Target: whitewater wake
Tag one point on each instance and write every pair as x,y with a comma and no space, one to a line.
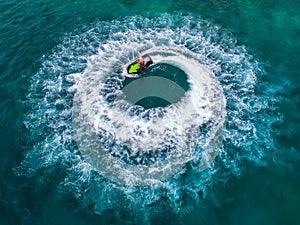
104,129
115,151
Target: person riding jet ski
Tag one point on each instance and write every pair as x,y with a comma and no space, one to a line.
139,65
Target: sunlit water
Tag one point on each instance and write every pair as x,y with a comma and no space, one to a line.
120,156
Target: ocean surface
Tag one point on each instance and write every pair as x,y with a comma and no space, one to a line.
207,135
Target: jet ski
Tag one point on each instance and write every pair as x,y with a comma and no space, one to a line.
138,66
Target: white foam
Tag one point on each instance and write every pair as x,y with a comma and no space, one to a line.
85,61
181,121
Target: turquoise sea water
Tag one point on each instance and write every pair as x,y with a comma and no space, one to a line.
48,47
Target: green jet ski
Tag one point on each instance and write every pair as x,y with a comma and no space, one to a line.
138,66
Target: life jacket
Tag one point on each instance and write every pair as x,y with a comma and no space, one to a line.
134,68
141,61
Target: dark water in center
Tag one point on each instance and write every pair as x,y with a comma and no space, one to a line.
47,40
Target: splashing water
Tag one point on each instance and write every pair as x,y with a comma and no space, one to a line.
175,129
114,151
